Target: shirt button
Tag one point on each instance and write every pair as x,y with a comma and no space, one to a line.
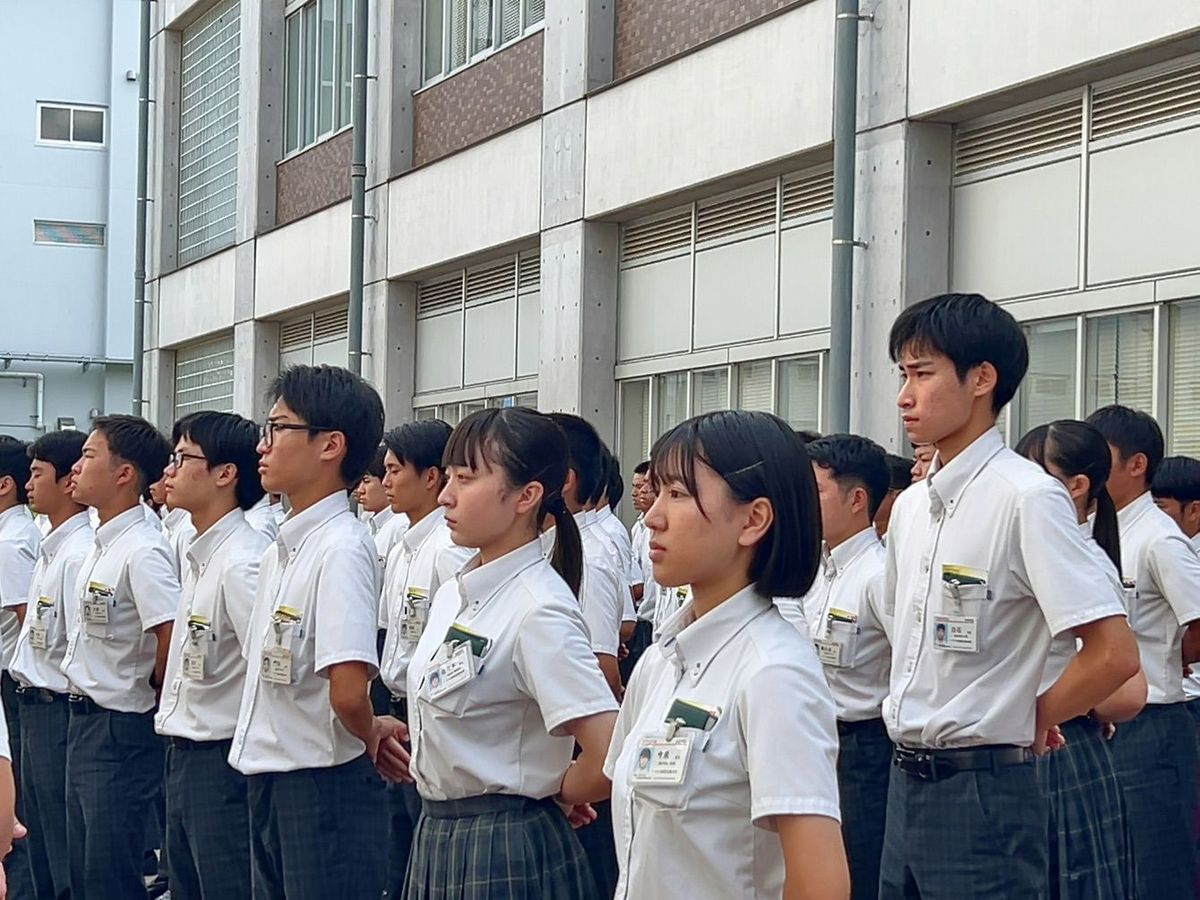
920,616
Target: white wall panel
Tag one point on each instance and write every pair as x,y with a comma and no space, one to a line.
529,308
1142,213
804,278
332,353
654,311
490,348
302,262
196,300
439,352
1018,234
735,292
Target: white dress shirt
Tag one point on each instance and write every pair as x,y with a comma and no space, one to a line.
129,575
844,613
1163,568
424,559
206,668
19,542
617,560
603,591
501,732
261,517
178,530
985,563
640,546
322,566
622,541
50,597
387,528
771,752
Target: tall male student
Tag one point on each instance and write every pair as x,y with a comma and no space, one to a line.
985,563
1155,754
119,619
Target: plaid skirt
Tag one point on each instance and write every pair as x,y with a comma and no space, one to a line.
496,846
1090,857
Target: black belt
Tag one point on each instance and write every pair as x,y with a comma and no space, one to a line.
84,706
845,728
37,696
935,765
181,743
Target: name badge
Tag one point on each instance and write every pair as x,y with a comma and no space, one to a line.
830,653
95,611
39,634
957,633
193,664
453,672
277,665
661,761
415,614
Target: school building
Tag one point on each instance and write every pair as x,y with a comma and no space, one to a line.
621,208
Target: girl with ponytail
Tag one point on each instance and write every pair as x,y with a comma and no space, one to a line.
1089,853
503,682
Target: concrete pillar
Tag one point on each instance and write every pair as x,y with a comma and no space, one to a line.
255,365
389,342
160,388
396,62
260,116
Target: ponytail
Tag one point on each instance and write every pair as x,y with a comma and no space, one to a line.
567,558
1105,529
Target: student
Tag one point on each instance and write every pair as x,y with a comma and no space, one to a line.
11,828
899,478
1156,753
425,558
985,564
614,536
1089,852
731,689
1176,491
261,515
306,735
118,634
844,612
922,458
385,525
517,684
642,497
213,477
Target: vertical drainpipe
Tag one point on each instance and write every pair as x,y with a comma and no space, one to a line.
139,252
358,188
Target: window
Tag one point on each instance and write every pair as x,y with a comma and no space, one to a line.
710,391
1119,361
671,400
72,234
78,126
453,413
635,421
1048,392
1183,432
800,393
208,132
460,31
204,377
754,386
319,83
315,338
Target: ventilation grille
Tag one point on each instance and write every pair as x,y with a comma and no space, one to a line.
77,234
510,20
535,12
491,282
331,325
739,214
1052,128
660,236
530,278
808,195
441,295
296,334
1159,98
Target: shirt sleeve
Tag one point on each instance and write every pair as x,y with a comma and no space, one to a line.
599,595
566,684
154,584
346,619
1175,569
239,583
17,559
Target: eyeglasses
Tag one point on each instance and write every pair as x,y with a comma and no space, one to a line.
177,457
267,430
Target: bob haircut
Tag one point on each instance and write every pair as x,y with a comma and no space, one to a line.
757,455
1177,478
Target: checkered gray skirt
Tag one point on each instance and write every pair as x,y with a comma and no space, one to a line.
493,847
1089,847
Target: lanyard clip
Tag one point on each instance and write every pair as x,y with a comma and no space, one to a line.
673,728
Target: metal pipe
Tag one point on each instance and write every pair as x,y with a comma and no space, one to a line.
6,358
358,188
139,263
40,387
845,92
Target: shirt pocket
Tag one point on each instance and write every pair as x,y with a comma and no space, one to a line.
839,648
962,597
672,795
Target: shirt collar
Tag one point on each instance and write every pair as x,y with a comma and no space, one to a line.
200,551
837,560
14,514
297,527
603,513
1134,511
1195,542
479,582
585,519
419,532
381,518
57,537
689,641
118,525
946,483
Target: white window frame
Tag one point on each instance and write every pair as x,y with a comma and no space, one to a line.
72,143
525,30
436,411
297,9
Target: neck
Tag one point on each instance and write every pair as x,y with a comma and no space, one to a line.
417,513
109,511
518,536
205,517
976,427
308,495
836,540
64,514
1122,498
709,595
7,502
1082,509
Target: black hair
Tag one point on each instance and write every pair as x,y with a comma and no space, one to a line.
642,468
526,446
899,472
61,449
616,485
375,466
137,442
226,439
14,464
1076,448
1177,478
586,456
808,435
421,444
757,455
854,462
970,330
334,399
607,464
1131,431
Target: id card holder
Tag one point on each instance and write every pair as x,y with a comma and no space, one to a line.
830,652
416,614
277,660
95,607
451,673
662,760
39,627
959,634
195,651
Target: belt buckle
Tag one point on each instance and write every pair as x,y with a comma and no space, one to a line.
920,764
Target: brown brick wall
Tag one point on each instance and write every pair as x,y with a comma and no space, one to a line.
502,91
651,31
314,179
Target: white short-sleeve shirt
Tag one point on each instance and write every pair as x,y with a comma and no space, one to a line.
1165,572
622,541
423,560
844,614
19,542
129,572
603,592
772,751
985,563
501,732
591,529
261,517
201,694
178,530
324,568
640,539
50,597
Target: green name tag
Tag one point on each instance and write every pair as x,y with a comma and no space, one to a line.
687,714
457,634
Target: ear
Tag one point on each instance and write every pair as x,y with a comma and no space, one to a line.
571,485
859,499
760,515
1137,465
334,448
125,474
432,478
1079,486
8,485
226,474
530,498
984,379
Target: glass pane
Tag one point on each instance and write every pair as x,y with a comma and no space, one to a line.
754,386
89,126
328,67
635,421
308,127
473,406
1183,423
800,393
449,413
710,391
529,401
346,65
1120,361
458,33
510,20
428,412
671,401
535,11
481,25
56,124
1048,392
434,15
292,86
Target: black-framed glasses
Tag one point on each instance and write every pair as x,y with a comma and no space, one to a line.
267,430
176,460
